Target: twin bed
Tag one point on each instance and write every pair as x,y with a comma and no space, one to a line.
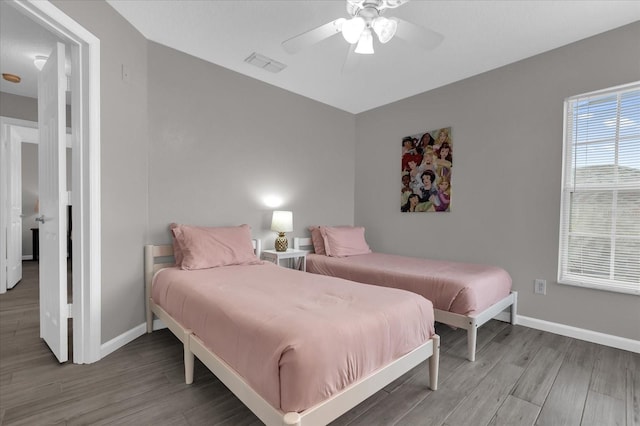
295,348
464,295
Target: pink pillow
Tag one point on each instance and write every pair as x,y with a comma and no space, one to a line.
344,241
316,239
177,250
204,247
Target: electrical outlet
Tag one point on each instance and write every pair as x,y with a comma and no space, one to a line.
540,286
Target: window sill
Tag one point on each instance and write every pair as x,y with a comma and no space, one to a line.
603,287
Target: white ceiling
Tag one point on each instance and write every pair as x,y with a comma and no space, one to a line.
21,40
478,36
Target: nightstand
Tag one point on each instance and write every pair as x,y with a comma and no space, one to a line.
297,259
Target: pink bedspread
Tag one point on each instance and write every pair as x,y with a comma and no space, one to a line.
461,288
296,338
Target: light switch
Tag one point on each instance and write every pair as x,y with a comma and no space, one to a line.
126,76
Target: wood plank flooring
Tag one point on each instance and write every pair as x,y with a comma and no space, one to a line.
521,377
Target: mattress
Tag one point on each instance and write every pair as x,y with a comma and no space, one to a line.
296,338
461,288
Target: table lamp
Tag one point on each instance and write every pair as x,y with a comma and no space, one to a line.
281,222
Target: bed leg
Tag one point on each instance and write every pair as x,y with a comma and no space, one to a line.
149,317
291,419
514,308
434,363
188,364
148,277
472,335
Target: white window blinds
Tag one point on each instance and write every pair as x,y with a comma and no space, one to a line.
600,213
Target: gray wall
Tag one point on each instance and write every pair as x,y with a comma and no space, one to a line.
220,142
507,153
124,171
20,107
23,107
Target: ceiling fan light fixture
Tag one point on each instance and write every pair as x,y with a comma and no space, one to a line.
352,29
365,45
39,61
384,28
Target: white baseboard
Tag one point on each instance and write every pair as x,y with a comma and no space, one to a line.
27,257
580,334
121,340
127,337
552,327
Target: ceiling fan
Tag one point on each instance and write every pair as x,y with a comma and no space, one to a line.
366,18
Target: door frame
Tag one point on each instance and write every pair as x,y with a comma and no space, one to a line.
85,173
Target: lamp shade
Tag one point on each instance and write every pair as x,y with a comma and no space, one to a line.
365,45
384,28
352,28
282,221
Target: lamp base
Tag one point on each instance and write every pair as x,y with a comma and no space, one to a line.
282,243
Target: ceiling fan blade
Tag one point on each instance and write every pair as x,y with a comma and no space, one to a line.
351,60
311,37
412,33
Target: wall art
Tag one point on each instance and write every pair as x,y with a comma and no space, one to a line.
427,164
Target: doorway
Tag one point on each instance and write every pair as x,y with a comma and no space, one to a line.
85,173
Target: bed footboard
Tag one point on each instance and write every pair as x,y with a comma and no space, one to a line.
331,408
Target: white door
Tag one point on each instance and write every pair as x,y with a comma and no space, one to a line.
14,232
52,182
4,203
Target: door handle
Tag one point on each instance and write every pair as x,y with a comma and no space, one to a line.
40,219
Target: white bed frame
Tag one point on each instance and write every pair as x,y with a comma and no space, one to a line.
466,322
320,414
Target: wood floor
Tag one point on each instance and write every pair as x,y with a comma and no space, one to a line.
521,377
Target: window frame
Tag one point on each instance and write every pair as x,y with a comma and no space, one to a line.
564,275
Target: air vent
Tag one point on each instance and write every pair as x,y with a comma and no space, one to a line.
263,62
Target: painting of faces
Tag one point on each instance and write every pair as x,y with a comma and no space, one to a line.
426,171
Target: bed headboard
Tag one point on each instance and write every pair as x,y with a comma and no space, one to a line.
303,243
153,253
161,256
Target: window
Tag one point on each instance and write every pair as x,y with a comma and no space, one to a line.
600,213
